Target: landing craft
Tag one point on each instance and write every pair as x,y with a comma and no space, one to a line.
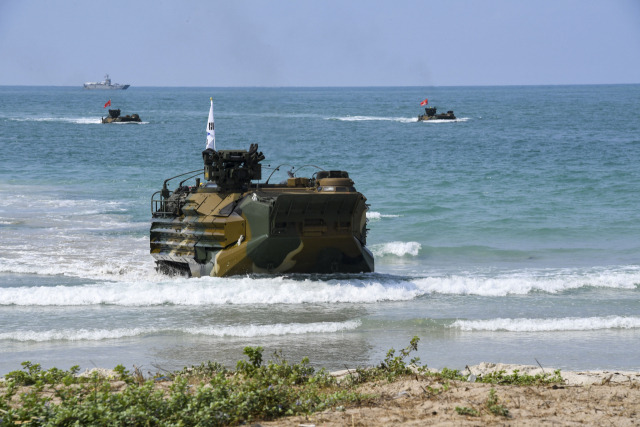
115,117
232,224
430,113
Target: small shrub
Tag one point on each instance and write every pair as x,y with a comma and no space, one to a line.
391,367
32,373
516,378
494,407
466,411
211,394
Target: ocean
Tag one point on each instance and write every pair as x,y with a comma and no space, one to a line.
511,234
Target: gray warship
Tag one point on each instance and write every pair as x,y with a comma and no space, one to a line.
105,84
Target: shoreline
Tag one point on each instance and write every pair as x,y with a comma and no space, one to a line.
572,378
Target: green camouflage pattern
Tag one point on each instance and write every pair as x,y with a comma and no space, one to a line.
232,226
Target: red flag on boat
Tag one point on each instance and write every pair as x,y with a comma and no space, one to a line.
107,104
425,102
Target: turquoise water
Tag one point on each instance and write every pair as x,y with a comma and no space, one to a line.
509,235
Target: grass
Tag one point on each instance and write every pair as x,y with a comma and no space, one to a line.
211,394
491,405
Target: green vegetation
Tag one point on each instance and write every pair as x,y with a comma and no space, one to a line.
467,411
516,379
33,374
211,394
494,407
390,368
491,405
502,378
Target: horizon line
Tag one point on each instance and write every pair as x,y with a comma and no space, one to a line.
327,86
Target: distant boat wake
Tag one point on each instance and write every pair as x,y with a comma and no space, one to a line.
392,119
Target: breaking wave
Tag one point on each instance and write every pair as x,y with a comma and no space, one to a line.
398,249
522,283
211,291
244,331
128,289
549,325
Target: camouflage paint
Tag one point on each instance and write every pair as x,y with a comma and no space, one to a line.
303,226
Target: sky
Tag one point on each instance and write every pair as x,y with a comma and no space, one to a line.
276,43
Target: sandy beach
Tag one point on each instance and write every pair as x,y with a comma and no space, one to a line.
586,398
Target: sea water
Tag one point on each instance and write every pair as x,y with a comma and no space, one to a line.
511,234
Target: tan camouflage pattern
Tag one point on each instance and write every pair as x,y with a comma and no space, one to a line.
301,226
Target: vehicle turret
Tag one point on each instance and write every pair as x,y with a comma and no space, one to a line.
232,170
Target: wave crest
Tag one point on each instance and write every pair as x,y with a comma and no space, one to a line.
549,325
243,331
399,249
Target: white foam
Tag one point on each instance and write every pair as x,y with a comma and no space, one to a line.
209,291
395,119
548,325
137,284
375,118
76,120
75,255
252,330
521,283
75,334
459,119
61,236
376,216
398,249
245,331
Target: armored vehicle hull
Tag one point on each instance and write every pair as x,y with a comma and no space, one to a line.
430,113
231,225
115,117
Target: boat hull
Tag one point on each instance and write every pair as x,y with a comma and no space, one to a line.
447,116
134,118
101,86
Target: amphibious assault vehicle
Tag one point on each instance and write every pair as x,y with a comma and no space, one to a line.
231,224
115,117
430,113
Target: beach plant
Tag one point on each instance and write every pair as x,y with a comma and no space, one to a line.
501,377
448,374
466,411
32,373
211,394
494,407
515,378
206,395
392,367
491,405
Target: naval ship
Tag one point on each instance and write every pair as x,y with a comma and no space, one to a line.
105,84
